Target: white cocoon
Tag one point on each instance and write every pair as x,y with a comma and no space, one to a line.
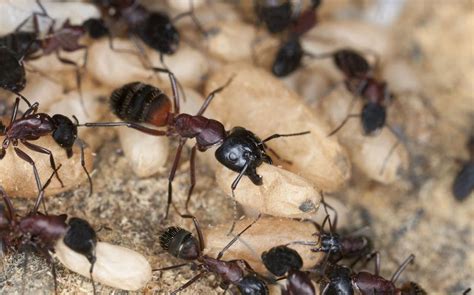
116,266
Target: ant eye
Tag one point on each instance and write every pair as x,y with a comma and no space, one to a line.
233,157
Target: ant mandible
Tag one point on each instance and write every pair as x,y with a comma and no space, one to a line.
239,149
182,244
31,126
43,231
281,260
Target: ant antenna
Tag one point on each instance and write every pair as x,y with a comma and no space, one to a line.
402,267
276,135
83,162
219,256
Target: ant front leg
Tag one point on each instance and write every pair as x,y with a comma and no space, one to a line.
83,164
132,125
234,201
350,116
172,174
8,203
45,151
24,156
401,268
174,86
221,253
190,282
192,172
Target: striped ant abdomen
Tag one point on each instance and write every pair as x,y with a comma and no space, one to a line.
141,103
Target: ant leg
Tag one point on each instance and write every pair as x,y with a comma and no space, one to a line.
174,86
343,123
171,267
78,76
192,170
8,203
190,282
211,96
15,110
32,110
392,149
45,151
136,126
276,135
83,164
198,229
369,257
401,268
234,201
40,198
191,14
24,156
172,174
332,225
221,253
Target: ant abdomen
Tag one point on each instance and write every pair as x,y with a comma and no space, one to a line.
252,285
141,103
180,243
351,63
373,117
279,260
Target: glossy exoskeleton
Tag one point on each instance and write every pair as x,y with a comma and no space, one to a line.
463,184
182,244
33,125
155,29
341,280
12,72
238,149
281,260
43,232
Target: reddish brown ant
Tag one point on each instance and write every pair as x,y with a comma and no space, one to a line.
31,126
463,184
281,260
43,231
238,149
340,280
182,244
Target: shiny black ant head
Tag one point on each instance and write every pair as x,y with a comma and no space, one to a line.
65,133
280,259
277,17
373,117
340,281
412,288
81,238
330,243
288,58
96,28
159,33
12,72
180,243
252,285
351,63
241,148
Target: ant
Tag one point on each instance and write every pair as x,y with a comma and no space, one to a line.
12,73
153,28
343,281
182,244
33,125
43,231
291,52
239,149
281,260
463,184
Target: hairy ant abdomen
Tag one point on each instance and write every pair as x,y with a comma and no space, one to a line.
180,243
141,103
351,63
279,260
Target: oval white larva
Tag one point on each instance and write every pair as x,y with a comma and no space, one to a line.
116,266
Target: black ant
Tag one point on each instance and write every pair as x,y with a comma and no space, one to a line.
239,149
12,73
340,280
182,244
291,52
43,231
463,184
281,260
31,126
155,29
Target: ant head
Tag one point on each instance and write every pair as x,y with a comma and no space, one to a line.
373,117
351,63
288,58
280,259
240,150
252,285
159,33
412,288
65,133
330,243
180,243
277,17
340,281
95,27
81,238
12,74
